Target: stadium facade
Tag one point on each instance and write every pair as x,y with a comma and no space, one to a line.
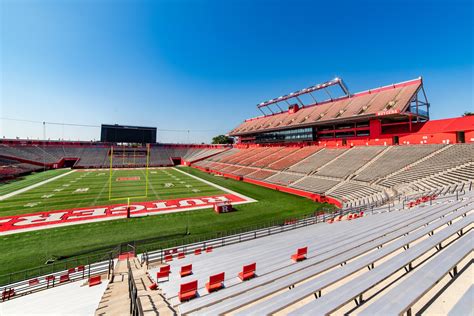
389,115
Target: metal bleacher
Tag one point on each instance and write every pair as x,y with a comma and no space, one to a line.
357,244
355,176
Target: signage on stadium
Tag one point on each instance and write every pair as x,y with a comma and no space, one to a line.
51,219
388,112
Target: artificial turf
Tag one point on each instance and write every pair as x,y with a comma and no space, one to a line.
32,249
22,182
92,188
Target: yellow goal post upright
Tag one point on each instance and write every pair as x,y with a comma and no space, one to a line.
128,168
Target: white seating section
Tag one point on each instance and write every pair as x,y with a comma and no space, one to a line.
355,176
386,242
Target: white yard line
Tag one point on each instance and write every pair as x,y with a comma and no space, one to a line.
9,195
217,186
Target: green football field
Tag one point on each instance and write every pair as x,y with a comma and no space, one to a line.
73,243
93,188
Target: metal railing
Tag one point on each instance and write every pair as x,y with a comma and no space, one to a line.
45,281
279,227
135,303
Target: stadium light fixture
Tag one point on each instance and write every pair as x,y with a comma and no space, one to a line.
322,86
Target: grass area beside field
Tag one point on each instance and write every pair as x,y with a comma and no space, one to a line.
32,249
25,181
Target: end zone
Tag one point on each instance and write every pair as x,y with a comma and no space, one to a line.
45,220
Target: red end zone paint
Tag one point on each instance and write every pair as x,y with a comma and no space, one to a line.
127,179
28,221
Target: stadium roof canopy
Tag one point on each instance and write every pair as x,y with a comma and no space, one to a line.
397,101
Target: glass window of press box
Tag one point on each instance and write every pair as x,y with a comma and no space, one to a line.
294,135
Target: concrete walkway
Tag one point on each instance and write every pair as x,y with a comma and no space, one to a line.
115,300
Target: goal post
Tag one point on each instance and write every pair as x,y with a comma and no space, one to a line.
128,172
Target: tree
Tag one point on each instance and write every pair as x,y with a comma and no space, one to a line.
468,113
222,139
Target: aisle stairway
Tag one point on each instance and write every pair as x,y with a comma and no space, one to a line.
116,301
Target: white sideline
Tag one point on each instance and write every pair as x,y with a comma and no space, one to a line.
219,187
8,195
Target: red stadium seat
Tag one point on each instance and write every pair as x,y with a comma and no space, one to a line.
50,278
80,268
181,255
197,251
71,270
216,282
8,294
248,271
33,282
95,280
188,291
64,278
168,258
186,270
300,254
209,249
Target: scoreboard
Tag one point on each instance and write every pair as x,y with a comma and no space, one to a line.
127,134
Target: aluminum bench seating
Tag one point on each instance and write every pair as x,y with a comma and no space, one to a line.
464,305
317,160
368,240
396,158
285,299
295,157
400,298
315,184
353,289
276,258
284,178
261,174
350,162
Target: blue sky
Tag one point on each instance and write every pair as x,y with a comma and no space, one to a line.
204,65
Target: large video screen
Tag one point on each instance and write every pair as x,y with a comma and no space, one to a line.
127,134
